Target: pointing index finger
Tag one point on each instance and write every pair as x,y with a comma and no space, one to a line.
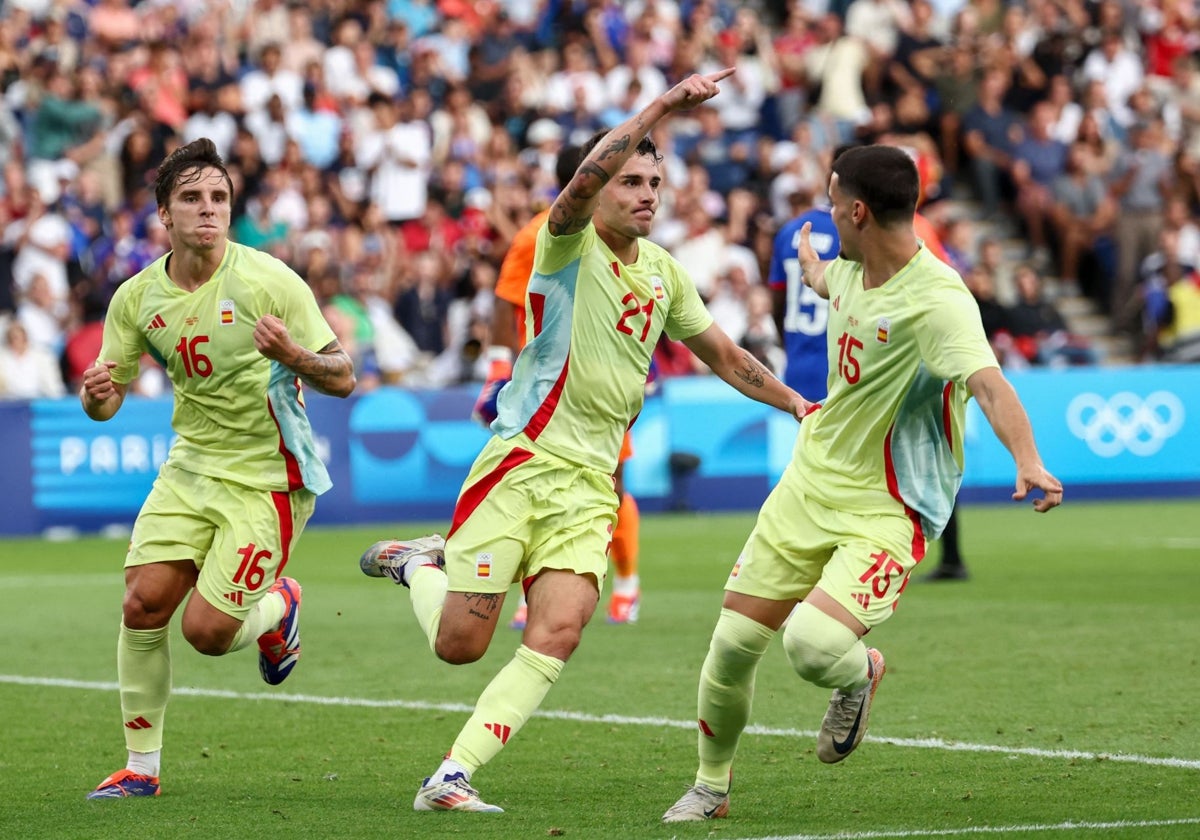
720,74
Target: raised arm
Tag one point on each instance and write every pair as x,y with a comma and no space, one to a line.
812,268
573,208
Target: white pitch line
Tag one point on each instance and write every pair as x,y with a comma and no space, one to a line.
34,581
1070,825
621,720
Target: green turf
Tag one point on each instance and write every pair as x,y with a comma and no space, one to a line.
1006,700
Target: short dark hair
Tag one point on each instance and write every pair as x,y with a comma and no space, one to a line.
645,147
882,177
188,161
569,158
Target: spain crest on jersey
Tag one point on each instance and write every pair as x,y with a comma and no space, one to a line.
657,283
882,329
227,312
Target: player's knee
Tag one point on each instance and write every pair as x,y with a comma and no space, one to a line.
816,642
142,611
207,644
738,643
210,641
558,641
458,649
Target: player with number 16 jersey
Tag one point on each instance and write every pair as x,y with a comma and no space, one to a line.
238,415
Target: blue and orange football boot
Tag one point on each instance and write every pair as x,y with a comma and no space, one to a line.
279,649
126,783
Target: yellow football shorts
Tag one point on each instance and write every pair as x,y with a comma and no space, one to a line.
240,538
522,511
862,561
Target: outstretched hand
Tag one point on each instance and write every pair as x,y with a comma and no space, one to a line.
1037,477
694,90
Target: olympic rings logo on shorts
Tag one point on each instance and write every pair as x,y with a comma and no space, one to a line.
1125,422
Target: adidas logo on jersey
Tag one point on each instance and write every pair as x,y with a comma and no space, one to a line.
234,597
157,323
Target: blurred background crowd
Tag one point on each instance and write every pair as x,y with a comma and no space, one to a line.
389,150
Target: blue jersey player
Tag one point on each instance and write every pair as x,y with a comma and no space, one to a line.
801,313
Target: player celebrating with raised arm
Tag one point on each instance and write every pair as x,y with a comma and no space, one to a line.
508,337
873,474
237,332
538,505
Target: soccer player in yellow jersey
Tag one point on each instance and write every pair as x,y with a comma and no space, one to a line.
873,474
538,505
508,337
237,331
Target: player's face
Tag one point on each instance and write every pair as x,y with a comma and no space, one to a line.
198,211
842,208
628,203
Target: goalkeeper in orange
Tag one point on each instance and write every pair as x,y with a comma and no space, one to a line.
508,337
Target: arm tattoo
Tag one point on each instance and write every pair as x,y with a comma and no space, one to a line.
617,146
482,605
567,224
589,169
753,373
326,371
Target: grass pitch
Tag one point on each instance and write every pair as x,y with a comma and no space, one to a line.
1051,695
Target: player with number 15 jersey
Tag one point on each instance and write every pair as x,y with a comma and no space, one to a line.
805,314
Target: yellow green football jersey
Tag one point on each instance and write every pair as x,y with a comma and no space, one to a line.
592,324
238,415
889,435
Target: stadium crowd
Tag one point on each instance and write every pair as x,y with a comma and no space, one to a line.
389,150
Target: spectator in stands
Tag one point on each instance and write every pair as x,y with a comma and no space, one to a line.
61,121
878,24
1167,279
1178,332
1119,69
421,309
990,131
396,150
1038,161
256,228
957,88
84,339
1039,330
27,371
636,66
43,245
958,244
724,154
1082,214
269,127
1141,184
835,68
300,47
739,104
702,251
42,316
316,129
269,79
995,315
761,336
208,119
380,341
